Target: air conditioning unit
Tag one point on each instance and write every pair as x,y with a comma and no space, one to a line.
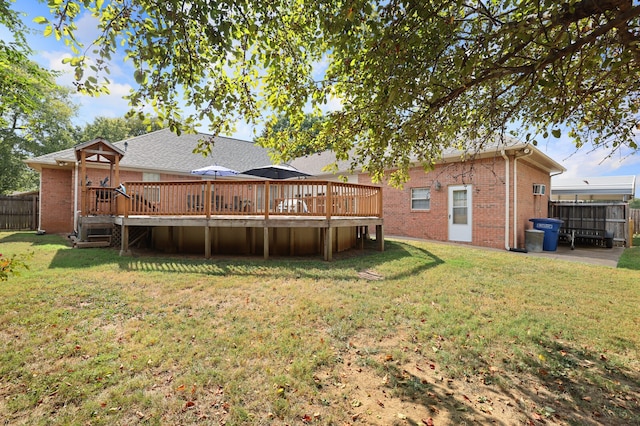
539,189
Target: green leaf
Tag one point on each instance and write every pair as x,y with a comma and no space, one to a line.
556,133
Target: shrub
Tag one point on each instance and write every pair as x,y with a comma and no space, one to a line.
12,265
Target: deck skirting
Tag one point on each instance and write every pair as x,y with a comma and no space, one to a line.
292,235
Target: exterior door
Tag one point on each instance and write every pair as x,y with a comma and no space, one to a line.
460,223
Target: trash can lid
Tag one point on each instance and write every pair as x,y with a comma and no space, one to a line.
534,231
546,220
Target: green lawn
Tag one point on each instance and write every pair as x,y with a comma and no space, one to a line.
421,333
630,258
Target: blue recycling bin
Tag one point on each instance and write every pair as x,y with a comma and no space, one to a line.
551,228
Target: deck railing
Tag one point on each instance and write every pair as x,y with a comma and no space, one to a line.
230,197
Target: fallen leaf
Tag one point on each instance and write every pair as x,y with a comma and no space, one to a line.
189,404
388,357
586,398
427,422
180,388
380,403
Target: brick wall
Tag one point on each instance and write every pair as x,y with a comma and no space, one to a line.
56,200
486,179
529,205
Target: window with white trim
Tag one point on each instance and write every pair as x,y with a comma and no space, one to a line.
420,198
151,193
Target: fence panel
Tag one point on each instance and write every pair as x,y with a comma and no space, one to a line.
19,213
634,214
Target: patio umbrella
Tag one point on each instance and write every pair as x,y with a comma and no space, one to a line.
214,171
281,171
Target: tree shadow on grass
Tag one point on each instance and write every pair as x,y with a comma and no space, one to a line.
560,383
31,238
354,264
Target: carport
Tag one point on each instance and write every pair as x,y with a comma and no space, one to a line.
595,210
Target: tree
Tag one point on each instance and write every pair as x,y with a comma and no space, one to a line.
294,142
117,129
413,77
44,127
34,111
21,79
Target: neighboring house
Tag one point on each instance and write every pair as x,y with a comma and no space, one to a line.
485,199
156,156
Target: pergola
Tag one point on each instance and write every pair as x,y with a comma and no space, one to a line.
97,151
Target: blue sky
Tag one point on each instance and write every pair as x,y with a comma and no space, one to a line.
583,163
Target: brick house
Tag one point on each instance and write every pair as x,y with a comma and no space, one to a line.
485,199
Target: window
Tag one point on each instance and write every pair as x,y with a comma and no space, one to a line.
459,208
151,193
420,198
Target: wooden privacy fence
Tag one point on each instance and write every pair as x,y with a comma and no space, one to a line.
19,212
634,214
612,218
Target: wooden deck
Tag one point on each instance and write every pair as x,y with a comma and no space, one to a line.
329,215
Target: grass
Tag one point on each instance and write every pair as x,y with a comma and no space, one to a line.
423,330
630,258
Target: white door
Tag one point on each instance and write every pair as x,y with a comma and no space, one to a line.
460,223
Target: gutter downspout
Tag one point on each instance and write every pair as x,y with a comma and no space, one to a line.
506,198
39,231
527,152
75,200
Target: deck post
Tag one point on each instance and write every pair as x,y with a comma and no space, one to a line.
266,243
328,244
380,237
124,240
247,241
172,243
207,242
291,241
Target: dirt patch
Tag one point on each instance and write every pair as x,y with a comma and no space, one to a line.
374,387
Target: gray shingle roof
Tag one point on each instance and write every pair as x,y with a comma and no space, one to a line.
164,151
